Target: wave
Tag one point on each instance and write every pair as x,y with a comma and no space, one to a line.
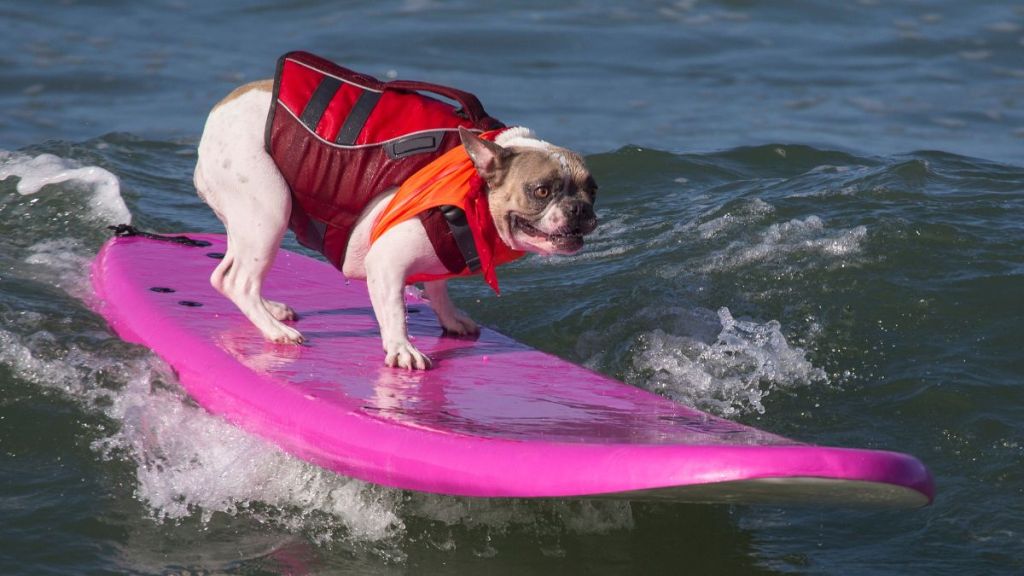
780,243
36,172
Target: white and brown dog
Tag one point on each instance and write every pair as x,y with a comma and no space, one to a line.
540,198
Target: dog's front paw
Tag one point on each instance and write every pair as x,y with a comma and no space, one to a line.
405,355
459,325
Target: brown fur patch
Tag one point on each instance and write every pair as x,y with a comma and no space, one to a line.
266,85
530,165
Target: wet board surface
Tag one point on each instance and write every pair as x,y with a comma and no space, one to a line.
493,418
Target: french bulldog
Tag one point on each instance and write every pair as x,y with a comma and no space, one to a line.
540,196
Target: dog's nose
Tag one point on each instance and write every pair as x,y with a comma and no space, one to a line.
583,215
581,210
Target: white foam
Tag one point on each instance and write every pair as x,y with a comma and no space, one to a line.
780,241
747,214
189,462
43,170
728,376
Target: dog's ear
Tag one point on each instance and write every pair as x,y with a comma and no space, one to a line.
489,158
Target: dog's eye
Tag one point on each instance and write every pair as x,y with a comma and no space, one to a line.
541,192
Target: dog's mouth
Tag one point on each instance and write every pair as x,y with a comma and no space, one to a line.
564,240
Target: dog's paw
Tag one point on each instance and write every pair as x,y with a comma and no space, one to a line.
460,325
282,334
405,355
280,312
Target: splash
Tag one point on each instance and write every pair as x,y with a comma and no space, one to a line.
729,376
35,173
190,462
187,461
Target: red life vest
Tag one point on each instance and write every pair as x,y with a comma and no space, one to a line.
341,139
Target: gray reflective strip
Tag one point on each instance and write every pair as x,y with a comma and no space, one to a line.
357,118
414,144
318,102
460,230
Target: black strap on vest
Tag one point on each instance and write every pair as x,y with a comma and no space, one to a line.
460,230
318,102
357,118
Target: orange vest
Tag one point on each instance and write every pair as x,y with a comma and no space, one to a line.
451,180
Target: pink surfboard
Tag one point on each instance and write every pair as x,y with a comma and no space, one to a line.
493,418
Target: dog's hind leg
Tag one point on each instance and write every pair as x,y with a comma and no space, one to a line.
280,310
240,278
240,181
255,224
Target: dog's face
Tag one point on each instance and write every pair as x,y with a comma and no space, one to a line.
541,198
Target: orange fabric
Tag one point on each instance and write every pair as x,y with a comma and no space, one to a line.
452,179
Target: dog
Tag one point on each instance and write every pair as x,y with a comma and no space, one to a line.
540,199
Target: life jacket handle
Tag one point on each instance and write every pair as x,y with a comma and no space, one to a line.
471,106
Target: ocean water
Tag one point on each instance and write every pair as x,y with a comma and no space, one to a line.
811,222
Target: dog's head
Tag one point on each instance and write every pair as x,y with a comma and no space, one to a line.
541,196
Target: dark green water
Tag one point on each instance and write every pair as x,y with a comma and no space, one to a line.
811,221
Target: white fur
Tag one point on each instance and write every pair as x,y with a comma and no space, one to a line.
241,183
522,137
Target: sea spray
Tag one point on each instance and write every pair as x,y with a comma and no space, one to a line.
729,375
